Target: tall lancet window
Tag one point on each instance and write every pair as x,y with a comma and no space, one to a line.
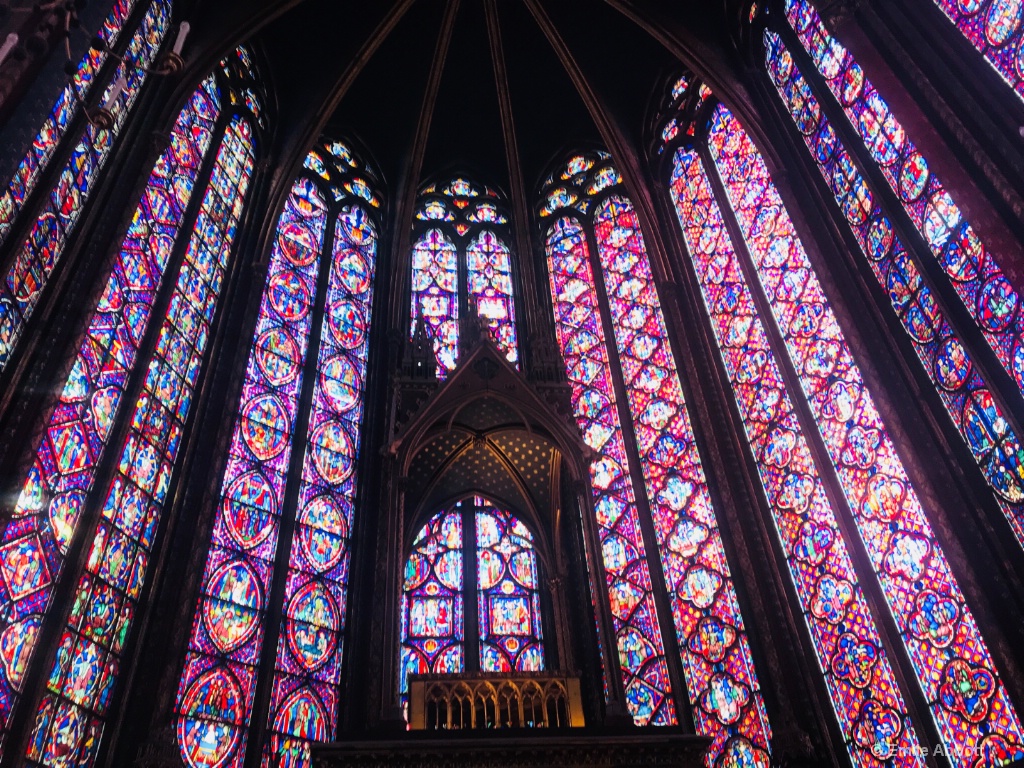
720,186
902,246
996,28
51,186
460,259
177,249
474,555
287,494
658,523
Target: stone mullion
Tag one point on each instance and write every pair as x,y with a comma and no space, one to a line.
903,670
470,598
462,283
659,588
734,485
56,617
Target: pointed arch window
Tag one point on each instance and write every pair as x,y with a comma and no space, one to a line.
47,520
474,554
742,244
40,245
900,259
461,258
310,345
601,286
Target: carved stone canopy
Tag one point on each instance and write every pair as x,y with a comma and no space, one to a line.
488,431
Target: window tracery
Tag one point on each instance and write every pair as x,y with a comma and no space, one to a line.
472,552
936,626
716,658
461,234
326,214
50,507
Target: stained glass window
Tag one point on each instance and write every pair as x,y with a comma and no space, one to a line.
462,221
627,573
306,688
70,717
962,689
489,271
45,521
719,674
970,266
967,699
975,411
508,600
433,631
857,671
435,295
46,515
717,663
433,627
37,255
995,28
217,691
230,622
59,119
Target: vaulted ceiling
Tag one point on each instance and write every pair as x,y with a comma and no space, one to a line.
424,85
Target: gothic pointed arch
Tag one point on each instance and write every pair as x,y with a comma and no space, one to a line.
775,331
280,545
629,403
473,556
485,435
59,513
